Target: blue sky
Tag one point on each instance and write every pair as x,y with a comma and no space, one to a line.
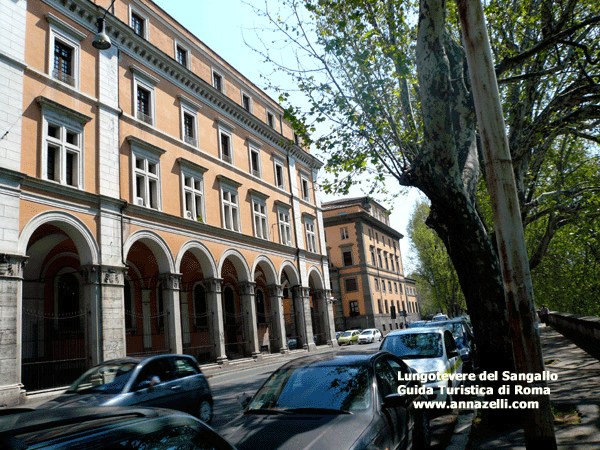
223,26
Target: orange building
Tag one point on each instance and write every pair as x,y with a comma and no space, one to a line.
153,200
366,269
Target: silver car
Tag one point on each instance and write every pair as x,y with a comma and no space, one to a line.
165,381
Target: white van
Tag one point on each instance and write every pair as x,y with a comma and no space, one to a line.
430,351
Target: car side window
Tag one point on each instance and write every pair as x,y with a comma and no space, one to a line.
183,368
387,378
449,341
157,368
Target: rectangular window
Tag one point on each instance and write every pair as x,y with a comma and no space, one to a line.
138,23
193,197
217,81
311,239
182,56
261,229
387,263
279,175
376,237
373,261
246,102
189,129
370,234
395,287
231,212
351,285
305,188
353,308
344,233
377,284
64,62
390,286
392,263
347,257
285,229
383,286
63,154
147,185
255,161
225,146
379,258
144,105
387,310
270,119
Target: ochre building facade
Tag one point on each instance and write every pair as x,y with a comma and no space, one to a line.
152,198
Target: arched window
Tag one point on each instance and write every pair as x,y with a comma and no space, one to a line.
200,318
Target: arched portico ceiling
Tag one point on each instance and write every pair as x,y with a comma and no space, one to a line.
157,245
291,271
267,267
315,279
87,248
202,254
238,261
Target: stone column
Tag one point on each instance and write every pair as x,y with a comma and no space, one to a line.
110,309
322,296
275,295
11,314
249,308
301,298
170,283
213,287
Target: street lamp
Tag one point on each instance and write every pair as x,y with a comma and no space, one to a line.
101,40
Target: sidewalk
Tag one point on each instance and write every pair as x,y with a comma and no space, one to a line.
578,384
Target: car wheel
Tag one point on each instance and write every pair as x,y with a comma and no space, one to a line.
205,410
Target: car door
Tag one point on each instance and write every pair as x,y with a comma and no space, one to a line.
454,361
395,418
160,394
186,389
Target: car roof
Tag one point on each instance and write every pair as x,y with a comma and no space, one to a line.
339,358
418,330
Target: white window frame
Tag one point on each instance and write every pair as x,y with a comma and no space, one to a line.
285,226
268,114
65,119
186,106
344,233
230,221
222,78
277,163
311,235
254,148
69,36
195,189
304,179
176,46
224,131
147,82
144,17
149,154
251,103
260,218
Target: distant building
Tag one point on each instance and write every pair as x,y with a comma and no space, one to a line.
366,271
153,200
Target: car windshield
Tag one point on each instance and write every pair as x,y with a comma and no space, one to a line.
342,388
347,333
414,345
455,328
108,378
367,332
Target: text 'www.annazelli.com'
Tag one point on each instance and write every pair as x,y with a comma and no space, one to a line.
477,404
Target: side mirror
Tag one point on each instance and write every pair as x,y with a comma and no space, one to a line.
452,354
243,399
395,401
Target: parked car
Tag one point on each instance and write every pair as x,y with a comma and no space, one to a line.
440,316
106,428
165,381
292,344
427,350
369,335
349,337
338,334
465,341
330,401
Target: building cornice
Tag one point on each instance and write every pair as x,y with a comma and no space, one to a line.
122,36
360,216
